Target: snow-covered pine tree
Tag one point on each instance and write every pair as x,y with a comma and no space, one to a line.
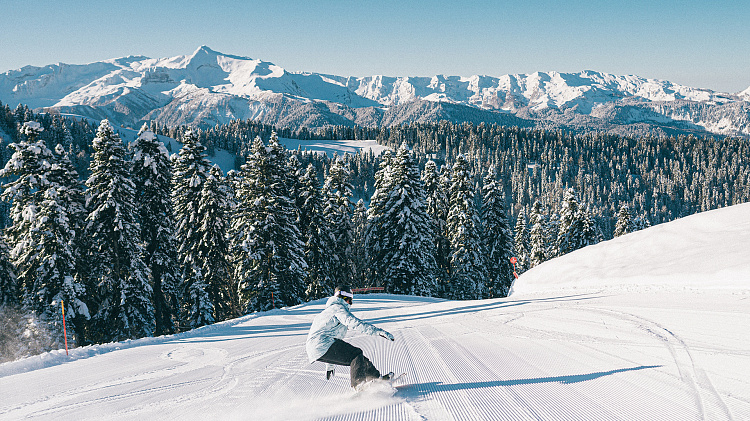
497,238
437,209
308,198
189,172
642,222
569,237
552,231
246,229
31,129
319,242
468,268
444,250
27,169
624,222
232,181
294,188
337,191
268,251
213,246
64,177
46,208
376,239
408,260
291,256
290,263
521,242
54,259
9,294
359,231
151,170
537,235
119,278
60,227
590,233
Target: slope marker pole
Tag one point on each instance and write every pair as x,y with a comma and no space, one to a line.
65,330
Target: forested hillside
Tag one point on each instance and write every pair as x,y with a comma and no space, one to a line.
659,178
138,242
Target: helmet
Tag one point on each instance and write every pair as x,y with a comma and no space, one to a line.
343,291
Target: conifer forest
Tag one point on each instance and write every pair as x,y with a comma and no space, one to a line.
137,240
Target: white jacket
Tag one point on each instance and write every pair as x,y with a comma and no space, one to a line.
333,323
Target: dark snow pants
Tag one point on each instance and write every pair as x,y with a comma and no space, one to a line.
360,368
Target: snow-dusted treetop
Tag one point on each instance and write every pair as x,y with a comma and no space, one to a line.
31,128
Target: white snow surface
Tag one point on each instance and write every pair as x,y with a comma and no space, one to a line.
700,252
329,147
664,347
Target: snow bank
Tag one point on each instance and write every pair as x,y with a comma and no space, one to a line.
57,357
702,251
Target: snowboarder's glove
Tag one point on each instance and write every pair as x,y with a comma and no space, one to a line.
330,373
385,334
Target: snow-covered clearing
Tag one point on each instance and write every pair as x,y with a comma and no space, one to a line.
226,160
644,348
330,147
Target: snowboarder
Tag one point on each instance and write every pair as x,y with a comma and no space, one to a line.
325,344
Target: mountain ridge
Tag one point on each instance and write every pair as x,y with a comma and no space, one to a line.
208,87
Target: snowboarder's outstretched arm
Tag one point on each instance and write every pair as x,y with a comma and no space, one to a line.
352,322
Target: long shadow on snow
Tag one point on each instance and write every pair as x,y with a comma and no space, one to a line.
421,389
474,308
242,332
247,330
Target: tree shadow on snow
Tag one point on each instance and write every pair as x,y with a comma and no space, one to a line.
419,390
245,331
473,308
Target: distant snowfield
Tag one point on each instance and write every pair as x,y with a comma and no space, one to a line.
225,160
329,147
622,347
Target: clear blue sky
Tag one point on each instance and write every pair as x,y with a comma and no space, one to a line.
698,43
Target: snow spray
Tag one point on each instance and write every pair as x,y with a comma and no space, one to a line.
65,330
514,261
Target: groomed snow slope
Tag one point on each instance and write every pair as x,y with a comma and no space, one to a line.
703,251
653,351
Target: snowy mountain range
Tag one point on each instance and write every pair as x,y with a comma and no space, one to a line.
208,87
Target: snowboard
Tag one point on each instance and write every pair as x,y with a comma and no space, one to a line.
395,379
380,384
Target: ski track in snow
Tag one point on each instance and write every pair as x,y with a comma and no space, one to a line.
576,357
691,373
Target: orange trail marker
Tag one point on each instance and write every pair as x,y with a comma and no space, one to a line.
514,261
65,330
